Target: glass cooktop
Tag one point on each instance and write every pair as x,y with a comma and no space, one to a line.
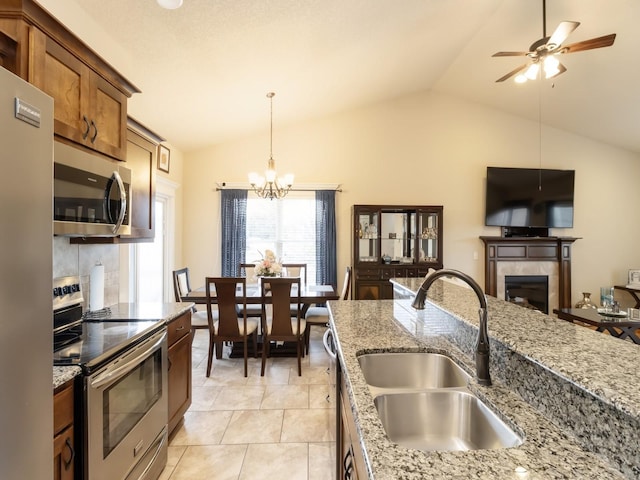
100,341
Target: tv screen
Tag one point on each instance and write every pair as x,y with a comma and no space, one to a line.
529,197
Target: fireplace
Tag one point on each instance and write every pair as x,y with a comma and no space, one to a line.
530,291
544,256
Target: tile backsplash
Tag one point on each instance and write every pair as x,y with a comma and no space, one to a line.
71,259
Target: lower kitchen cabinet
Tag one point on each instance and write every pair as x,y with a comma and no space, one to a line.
63,442
179,342
351,465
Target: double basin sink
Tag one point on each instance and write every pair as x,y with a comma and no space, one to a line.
423,403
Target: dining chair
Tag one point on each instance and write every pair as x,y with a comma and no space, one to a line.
296,270
229,327
281,325
181,287
319,315
246,270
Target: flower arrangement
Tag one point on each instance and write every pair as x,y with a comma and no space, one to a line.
268,266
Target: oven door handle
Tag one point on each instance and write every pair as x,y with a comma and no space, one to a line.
113,372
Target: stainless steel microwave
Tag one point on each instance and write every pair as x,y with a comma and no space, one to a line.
90,194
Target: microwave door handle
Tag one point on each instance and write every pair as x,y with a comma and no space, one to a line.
123,202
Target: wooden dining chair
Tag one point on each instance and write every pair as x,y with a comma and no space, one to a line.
319,315
246,270
281,326
295,270
228,327
181,287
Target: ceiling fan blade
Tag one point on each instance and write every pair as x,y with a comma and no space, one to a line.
562,32
510,54
605,41
513,72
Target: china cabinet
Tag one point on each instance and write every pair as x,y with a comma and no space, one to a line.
393,241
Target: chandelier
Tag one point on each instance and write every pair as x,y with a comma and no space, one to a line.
270,186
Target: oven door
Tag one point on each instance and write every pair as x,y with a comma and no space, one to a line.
126,414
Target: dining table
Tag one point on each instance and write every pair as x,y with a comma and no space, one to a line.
309,295
618,324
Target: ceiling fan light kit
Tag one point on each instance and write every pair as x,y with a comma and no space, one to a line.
545,50
170,4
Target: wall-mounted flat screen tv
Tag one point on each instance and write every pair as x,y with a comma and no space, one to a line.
529,197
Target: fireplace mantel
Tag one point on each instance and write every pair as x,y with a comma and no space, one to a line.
529,249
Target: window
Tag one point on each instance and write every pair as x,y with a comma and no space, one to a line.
288,227
300,228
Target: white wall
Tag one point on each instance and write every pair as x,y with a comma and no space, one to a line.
428,149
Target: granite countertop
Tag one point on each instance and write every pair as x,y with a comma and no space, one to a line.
127,311
590,361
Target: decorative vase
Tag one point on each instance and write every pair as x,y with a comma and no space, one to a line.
586,301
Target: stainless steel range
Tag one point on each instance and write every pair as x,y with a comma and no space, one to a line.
122,402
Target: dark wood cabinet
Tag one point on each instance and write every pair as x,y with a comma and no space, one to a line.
393,241
179,342
350,459
142,159
63,441
90,97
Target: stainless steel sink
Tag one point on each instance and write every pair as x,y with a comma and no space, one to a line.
443,420
412,370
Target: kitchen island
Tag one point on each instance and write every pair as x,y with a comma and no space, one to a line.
569,392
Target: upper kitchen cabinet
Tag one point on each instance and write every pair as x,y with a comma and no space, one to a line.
90,97
393,241
142,159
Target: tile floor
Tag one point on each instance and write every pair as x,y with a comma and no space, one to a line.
279,426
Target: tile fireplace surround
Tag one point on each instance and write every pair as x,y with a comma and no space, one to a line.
550,256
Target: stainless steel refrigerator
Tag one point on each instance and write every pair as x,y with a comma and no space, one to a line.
26,236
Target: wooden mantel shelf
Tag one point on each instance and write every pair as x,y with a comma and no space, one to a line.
529,249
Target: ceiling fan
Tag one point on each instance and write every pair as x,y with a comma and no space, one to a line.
542,53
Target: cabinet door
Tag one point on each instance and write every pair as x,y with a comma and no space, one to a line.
87,109
179,380
368,291
66,79
108,114
141,159
63,455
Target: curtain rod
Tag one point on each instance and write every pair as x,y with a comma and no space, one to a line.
307,188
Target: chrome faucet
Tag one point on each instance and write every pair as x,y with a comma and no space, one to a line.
482,344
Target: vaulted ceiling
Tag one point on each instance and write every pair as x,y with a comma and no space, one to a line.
206,67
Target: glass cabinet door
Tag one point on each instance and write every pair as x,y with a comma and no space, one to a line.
428,228
397,242
367,233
